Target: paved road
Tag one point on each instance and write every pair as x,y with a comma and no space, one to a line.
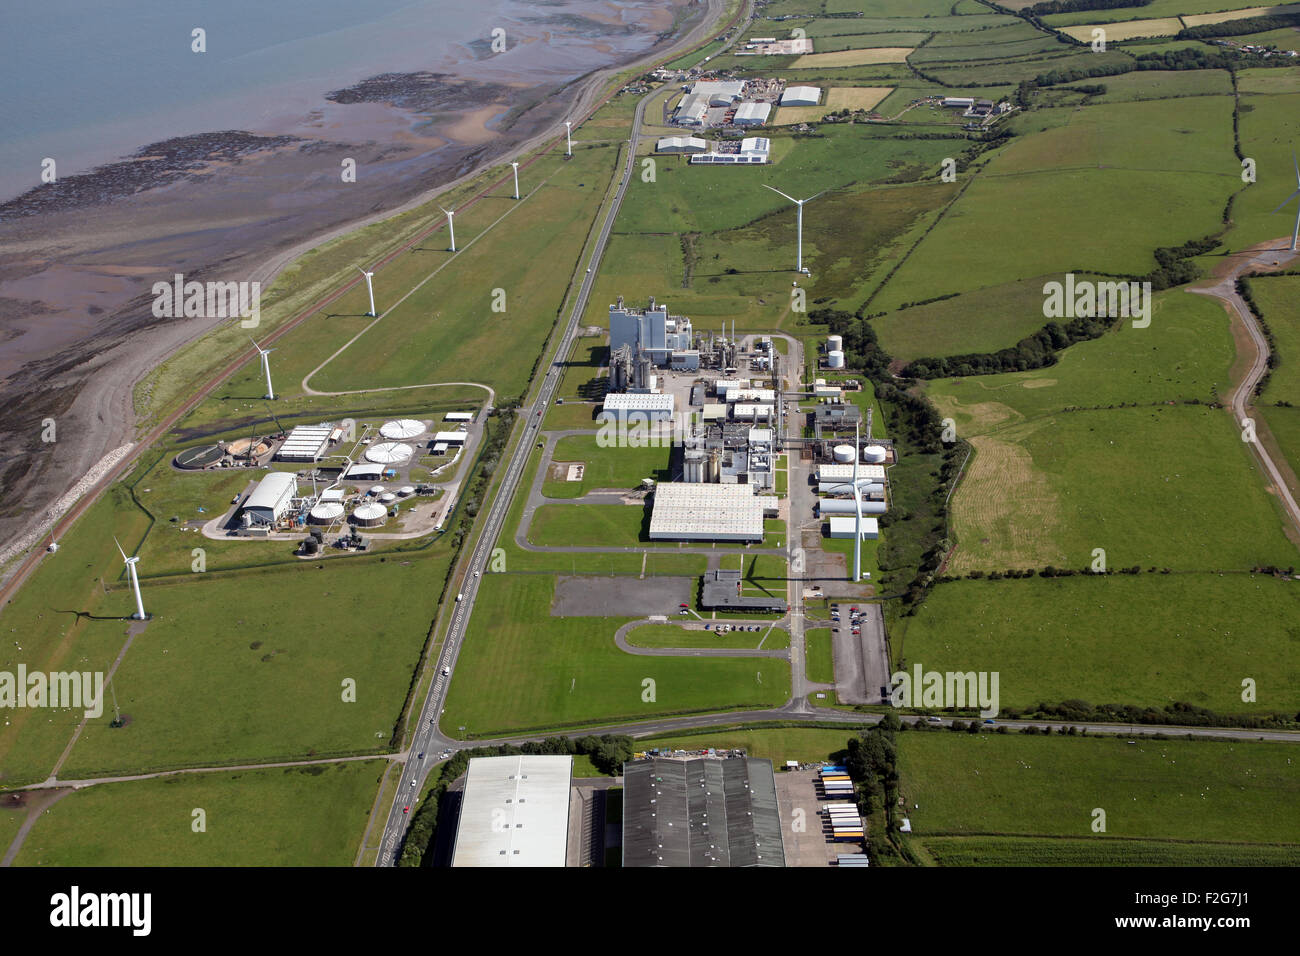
1226,290
620,638
426,737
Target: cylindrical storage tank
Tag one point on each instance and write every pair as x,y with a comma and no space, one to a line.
834,343
874,454
376,489
310,546
326,512
406,491
387,496
844,506
402,429
370,516
843,454
835,359
694,467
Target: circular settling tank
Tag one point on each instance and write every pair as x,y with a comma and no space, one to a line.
389,453
402,429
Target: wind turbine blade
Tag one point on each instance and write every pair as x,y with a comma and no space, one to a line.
1287,201
822,193
779,193
255,345
119,547
1296,163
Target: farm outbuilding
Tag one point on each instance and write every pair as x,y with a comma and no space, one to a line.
801,96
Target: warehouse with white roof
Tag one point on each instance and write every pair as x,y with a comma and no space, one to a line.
648,406
270,499
801,96
690,511
752,114
719,92
842,527
305,443
681,144
515,812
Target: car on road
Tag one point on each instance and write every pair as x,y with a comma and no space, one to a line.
988,721
446,672
934,720
683,605
708,627
420,756
406,809
413,781
683,612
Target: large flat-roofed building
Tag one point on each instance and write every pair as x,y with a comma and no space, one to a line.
701,811
305,443
842,527
694,511
722,592
515,812
692,110
752,114
719,92
643,406
270,499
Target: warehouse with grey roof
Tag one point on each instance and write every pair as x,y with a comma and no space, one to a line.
701,811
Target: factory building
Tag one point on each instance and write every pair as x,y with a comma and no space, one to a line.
753,150
801,96
637,406
692,110
844,506
451,438
719,92
681,144
721,592
836,417
701,811
844,472
752,114
691,511
514,812
458,417
270,499
652,332
305,443
842,527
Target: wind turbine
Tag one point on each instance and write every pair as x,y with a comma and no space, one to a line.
369,288
516,169
266,367
857,505
451,225
798,256
1295,234
568,140
135,581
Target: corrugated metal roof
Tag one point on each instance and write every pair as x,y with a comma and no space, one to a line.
702,811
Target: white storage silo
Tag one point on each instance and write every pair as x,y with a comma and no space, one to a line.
835,359
843,454
874,454
834,343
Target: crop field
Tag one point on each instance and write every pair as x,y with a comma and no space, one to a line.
1007,74
883,54
1127,30
1184,354
1142,483
252,818
1197,20
547,672
1194,792
670,635
1164,84
978,50
1276,298
1191,12
1287,38
1267,136
621,468
890,8
1114,216
838,98
1146,640
875,24
858,41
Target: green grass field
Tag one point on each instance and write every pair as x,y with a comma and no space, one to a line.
251,818
1148,640
820,661
546,672
670,635
1193,792
777,744
621,468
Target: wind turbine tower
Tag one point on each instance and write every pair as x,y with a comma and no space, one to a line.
266,367
798,255
370,287
568,140
516,169
135,581
1295,233
451,226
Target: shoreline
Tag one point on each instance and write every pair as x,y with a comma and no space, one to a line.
113,403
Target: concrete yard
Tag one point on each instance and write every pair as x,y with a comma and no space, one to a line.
594,596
